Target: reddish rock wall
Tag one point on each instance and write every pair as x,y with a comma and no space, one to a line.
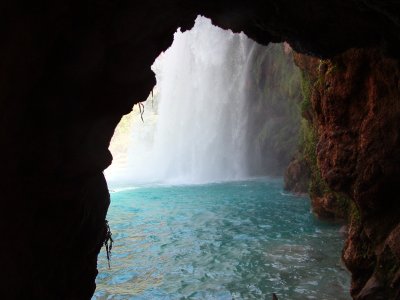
355,100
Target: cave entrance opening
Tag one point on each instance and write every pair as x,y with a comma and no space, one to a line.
224,108
192,212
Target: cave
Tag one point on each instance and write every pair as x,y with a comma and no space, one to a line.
71,70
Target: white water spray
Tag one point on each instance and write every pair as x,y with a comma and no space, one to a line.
198,132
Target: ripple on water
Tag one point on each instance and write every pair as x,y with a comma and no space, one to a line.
238,240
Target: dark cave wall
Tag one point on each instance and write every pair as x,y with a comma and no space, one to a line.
70,69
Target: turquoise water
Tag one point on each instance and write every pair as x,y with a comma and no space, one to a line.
237,240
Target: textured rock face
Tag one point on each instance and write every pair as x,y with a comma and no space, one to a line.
70,69
297,176
355,98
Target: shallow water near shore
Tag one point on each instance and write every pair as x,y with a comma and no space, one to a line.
230,240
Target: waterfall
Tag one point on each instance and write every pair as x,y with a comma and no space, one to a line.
196,131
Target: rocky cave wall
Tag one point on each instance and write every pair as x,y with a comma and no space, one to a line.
70,69
351,146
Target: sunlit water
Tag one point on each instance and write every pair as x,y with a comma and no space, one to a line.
235,240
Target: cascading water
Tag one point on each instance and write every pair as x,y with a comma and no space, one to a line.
198,132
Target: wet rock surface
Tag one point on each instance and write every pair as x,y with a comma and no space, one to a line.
355,104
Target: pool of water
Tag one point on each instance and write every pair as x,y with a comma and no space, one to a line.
233,240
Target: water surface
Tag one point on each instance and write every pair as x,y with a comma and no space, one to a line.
234,240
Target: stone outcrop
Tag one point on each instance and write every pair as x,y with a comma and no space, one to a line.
70,69
355,105
297,176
